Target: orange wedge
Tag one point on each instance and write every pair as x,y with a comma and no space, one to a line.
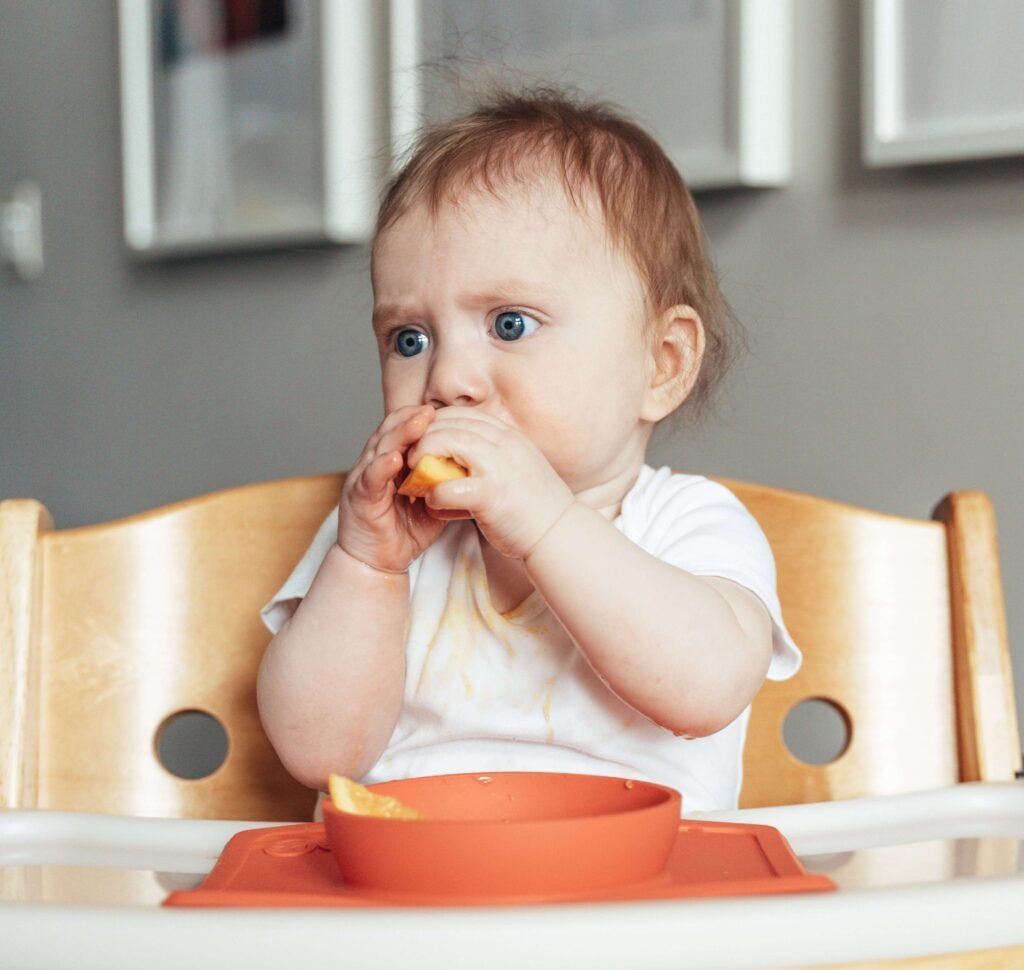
430,470
349,796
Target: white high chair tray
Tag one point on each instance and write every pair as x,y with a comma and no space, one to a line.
926,873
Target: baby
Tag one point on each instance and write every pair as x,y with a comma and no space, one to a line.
542,300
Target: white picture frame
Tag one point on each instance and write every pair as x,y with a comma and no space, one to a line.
942,80
748,73
216,158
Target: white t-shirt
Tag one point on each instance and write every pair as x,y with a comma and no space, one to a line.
487,691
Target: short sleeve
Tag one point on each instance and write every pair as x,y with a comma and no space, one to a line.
702,527
286,600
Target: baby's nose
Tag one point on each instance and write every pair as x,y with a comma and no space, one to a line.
457,377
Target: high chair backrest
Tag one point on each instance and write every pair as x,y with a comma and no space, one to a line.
903,630
109,631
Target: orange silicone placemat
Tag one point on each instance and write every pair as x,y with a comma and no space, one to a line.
292,866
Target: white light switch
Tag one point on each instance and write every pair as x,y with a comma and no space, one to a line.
21,231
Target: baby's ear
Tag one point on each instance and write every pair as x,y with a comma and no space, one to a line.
677,348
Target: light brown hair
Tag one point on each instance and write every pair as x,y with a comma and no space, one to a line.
647,208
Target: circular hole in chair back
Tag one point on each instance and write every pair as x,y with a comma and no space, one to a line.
191,744
817,731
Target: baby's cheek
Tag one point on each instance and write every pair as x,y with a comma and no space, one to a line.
565,444
400,391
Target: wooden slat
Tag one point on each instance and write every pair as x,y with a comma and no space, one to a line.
22,523
987,728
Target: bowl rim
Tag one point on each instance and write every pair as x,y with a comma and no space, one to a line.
670,794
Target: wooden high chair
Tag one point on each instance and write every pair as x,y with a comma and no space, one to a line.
109,631
903,630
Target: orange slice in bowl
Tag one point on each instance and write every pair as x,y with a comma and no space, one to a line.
430,470
349,796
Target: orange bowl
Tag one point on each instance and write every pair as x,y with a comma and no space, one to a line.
508,834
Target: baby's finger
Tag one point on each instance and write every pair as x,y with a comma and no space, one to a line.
496,434
462,445
408,432
476,414
373,482
448,515
461,494
392,420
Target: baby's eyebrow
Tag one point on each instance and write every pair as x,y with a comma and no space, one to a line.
505,291
385,314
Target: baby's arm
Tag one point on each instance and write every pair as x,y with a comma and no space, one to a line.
331,682
688,652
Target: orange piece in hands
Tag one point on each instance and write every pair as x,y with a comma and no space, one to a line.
430,470
349,796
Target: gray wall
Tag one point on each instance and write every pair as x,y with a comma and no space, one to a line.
883,307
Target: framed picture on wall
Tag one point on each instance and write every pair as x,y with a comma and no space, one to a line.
943,80
250,123
710,78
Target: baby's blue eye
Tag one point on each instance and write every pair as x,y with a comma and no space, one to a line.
409,343
512,325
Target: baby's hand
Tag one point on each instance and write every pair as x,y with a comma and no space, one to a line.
512,491
375,526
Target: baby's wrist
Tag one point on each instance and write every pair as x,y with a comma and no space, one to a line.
367,564
549,529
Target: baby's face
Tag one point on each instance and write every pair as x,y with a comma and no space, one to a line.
520,306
